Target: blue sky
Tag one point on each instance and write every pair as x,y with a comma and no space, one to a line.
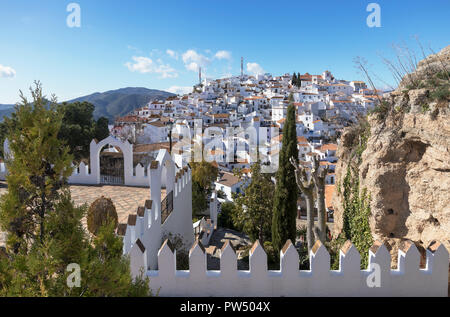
127,43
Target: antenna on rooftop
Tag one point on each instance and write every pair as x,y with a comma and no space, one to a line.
199,75
242,66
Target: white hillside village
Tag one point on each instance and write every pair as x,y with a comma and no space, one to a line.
217,157
234,122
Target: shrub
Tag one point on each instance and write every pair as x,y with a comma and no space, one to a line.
425,107
381,110
273,258
224,218
441,93
444,75
101,212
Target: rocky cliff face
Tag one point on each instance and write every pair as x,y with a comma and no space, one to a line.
405,165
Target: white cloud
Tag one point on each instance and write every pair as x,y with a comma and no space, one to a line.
7,72
223,55
227,75
192,66
180,90
155,51
193,60
255,68
145,65
172,53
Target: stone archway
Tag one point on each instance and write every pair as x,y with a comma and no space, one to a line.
112,168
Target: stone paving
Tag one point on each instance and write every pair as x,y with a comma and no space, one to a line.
125,198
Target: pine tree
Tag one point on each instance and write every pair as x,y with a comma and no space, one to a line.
43,227
39,167
286,192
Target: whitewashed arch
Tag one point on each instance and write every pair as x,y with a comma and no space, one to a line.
127,151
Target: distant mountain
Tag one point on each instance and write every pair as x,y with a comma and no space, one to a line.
112,103
119,102
5,110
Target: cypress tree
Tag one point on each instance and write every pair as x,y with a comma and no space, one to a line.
286,192
294,79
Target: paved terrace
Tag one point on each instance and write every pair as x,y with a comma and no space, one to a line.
125,198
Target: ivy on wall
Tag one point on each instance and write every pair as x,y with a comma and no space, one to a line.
356,205
356,215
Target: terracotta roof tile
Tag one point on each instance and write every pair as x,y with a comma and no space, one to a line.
228,179
329,192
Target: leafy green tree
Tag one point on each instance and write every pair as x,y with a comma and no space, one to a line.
204,173
286,192
101,128
225,217
79,127
253,208
199,199
203,176
43,227
107,271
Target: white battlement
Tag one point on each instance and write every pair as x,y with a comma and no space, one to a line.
147,227
90,175
3,171
380,280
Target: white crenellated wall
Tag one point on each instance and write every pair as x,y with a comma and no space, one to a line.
133,176
81,175
3,171
349,280
206,227
147,227
7,155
